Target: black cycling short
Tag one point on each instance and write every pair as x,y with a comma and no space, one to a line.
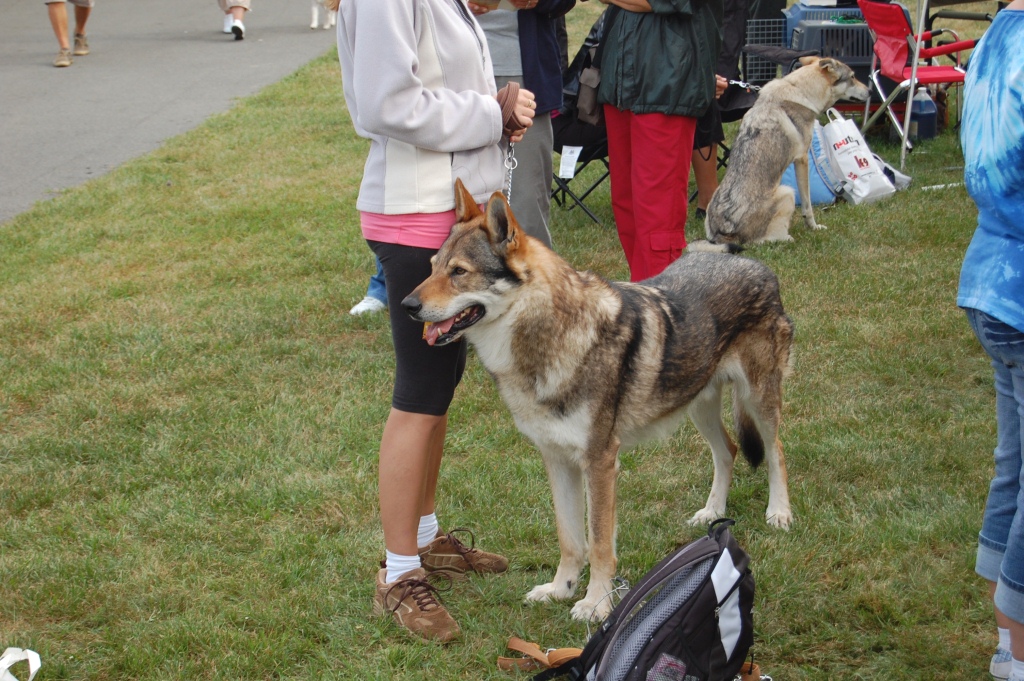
425,376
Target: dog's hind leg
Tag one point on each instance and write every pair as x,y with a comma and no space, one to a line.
760,401
783,205
803,182
316,15
600,475
706,413
567,491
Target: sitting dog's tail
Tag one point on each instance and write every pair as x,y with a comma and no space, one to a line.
705,246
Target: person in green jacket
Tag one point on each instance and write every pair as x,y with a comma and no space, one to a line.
657,78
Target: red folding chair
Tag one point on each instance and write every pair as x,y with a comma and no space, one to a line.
894,48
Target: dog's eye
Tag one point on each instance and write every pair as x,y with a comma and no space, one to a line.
458,270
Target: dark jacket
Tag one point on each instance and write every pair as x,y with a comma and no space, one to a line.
662,61
541,53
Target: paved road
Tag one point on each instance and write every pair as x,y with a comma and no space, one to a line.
153,74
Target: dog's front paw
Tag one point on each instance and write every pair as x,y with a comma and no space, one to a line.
704,516
816,225
781,519
551,592
591,610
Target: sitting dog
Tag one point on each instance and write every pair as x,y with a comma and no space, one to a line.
751,206
589,368
330,16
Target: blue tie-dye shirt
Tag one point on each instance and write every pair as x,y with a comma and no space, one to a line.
992,134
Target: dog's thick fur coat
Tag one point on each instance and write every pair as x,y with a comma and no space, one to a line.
751,206
589,368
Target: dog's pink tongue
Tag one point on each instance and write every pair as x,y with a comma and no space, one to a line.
433,330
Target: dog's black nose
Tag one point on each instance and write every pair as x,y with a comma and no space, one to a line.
412,305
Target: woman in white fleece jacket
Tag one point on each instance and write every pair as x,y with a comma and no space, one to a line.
419,85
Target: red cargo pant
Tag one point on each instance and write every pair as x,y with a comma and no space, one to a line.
649,157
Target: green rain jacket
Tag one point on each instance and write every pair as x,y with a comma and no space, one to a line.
661,61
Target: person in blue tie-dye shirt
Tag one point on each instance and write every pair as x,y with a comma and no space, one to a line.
992,294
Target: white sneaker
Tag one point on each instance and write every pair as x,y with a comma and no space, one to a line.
367,304
227,23
1001,664
238,28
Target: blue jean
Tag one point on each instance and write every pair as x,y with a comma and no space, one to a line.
1001,540
376,288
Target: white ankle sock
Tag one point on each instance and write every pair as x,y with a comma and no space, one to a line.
427,531
1004,638
397,565
1017,669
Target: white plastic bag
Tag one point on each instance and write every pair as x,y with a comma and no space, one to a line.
861,177
12,656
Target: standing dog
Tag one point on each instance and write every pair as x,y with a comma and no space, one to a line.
330,16
751,206
590,368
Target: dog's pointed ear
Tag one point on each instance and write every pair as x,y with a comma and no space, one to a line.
829,66
501,224
807,61
465,207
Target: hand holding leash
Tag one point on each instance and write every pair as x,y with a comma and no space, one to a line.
518,108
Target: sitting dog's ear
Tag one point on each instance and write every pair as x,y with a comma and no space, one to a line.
807,61
501,224
465,207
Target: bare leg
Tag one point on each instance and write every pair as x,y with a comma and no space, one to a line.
81,18
410,458
59,22
705,173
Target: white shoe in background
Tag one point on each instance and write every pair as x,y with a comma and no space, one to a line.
367,304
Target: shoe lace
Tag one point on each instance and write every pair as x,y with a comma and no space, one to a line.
423,593
459,546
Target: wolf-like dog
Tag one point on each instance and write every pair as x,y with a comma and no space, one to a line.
751,206
590,368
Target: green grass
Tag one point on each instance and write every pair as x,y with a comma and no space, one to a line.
189,422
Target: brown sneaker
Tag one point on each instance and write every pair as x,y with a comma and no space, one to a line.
412,601
81,45
63,58
448,555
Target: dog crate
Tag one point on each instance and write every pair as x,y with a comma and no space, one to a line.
849,43
801,12
758,70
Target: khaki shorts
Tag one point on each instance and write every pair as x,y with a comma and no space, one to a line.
80,3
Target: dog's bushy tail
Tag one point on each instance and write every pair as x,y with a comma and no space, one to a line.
704,246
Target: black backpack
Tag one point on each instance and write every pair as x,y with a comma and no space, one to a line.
688,619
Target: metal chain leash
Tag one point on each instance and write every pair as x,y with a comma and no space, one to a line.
745,86
510,165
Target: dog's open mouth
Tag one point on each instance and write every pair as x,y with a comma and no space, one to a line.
442,333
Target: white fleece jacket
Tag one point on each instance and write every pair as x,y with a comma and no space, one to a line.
419,85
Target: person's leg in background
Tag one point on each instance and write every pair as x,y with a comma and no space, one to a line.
531,180
705,173
618,125
83,8
706,137
376,297
58,13
662,148
234,12
1000,557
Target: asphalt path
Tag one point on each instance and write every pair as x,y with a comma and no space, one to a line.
156,70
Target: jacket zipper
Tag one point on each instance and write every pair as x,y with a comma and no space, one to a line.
464,13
